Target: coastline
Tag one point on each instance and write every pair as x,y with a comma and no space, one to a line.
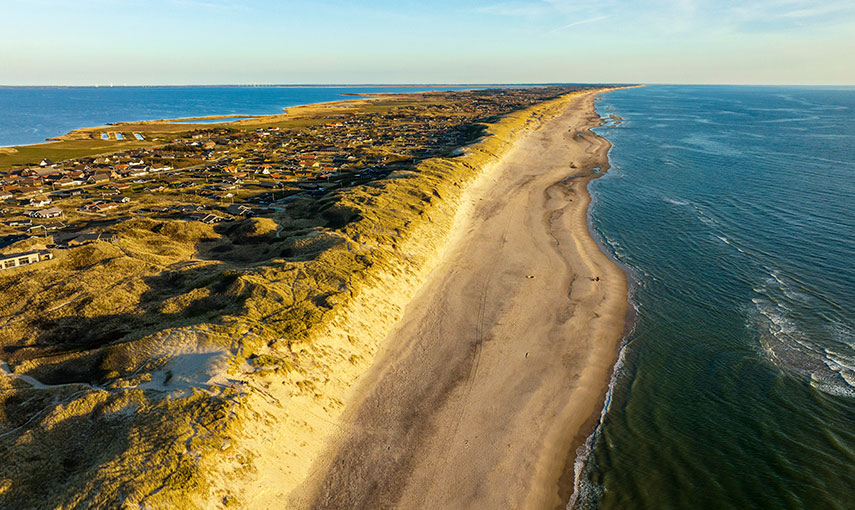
205,120
306,405
439,404
86,141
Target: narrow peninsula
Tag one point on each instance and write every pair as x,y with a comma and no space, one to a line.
389,302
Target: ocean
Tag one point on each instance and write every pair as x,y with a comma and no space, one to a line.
734,208
31,114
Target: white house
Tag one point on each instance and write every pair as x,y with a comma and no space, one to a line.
24,259
51,212
40,202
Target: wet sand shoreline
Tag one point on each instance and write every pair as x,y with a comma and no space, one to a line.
498,371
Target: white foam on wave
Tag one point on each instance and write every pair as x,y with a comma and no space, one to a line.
785,110
706,218
775,276
833,389
823,354
674,201
585,491
810,118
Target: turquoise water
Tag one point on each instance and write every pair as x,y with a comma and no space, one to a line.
735,209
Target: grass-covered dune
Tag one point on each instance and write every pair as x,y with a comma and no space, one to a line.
187,364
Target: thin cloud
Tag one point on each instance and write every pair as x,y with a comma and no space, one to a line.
577,23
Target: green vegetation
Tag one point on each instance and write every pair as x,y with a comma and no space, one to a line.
60,151
114,326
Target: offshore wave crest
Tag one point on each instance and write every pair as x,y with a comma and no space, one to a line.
822,353
675,201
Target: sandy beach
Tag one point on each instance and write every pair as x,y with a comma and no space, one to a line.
481,395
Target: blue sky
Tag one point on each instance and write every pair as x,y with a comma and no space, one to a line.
85,42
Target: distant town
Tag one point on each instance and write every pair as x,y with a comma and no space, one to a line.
224,172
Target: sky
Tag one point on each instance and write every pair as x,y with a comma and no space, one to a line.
184,42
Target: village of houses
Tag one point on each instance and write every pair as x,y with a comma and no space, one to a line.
225,172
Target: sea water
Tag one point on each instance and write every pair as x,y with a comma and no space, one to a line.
32,114
734,207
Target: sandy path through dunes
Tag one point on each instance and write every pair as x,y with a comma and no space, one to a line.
497,372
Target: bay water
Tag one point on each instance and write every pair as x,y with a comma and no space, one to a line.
31,114
734,208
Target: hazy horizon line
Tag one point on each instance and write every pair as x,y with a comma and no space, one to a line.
407,85
330,85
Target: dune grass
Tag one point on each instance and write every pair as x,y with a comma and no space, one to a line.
103,322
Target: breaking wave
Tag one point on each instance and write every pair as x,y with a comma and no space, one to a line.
821,351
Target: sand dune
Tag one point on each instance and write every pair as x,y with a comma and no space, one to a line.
481,395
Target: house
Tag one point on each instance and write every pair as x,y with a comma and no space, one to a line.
25,191
68,193
24,259
31,181
68,182
204,217
20,223
189,207
52,212
54,225
98,206
98,177
44,171
40,201
86,238
239,210
45,162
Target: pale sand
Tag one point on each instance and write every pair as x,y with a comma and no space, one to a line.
482,393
